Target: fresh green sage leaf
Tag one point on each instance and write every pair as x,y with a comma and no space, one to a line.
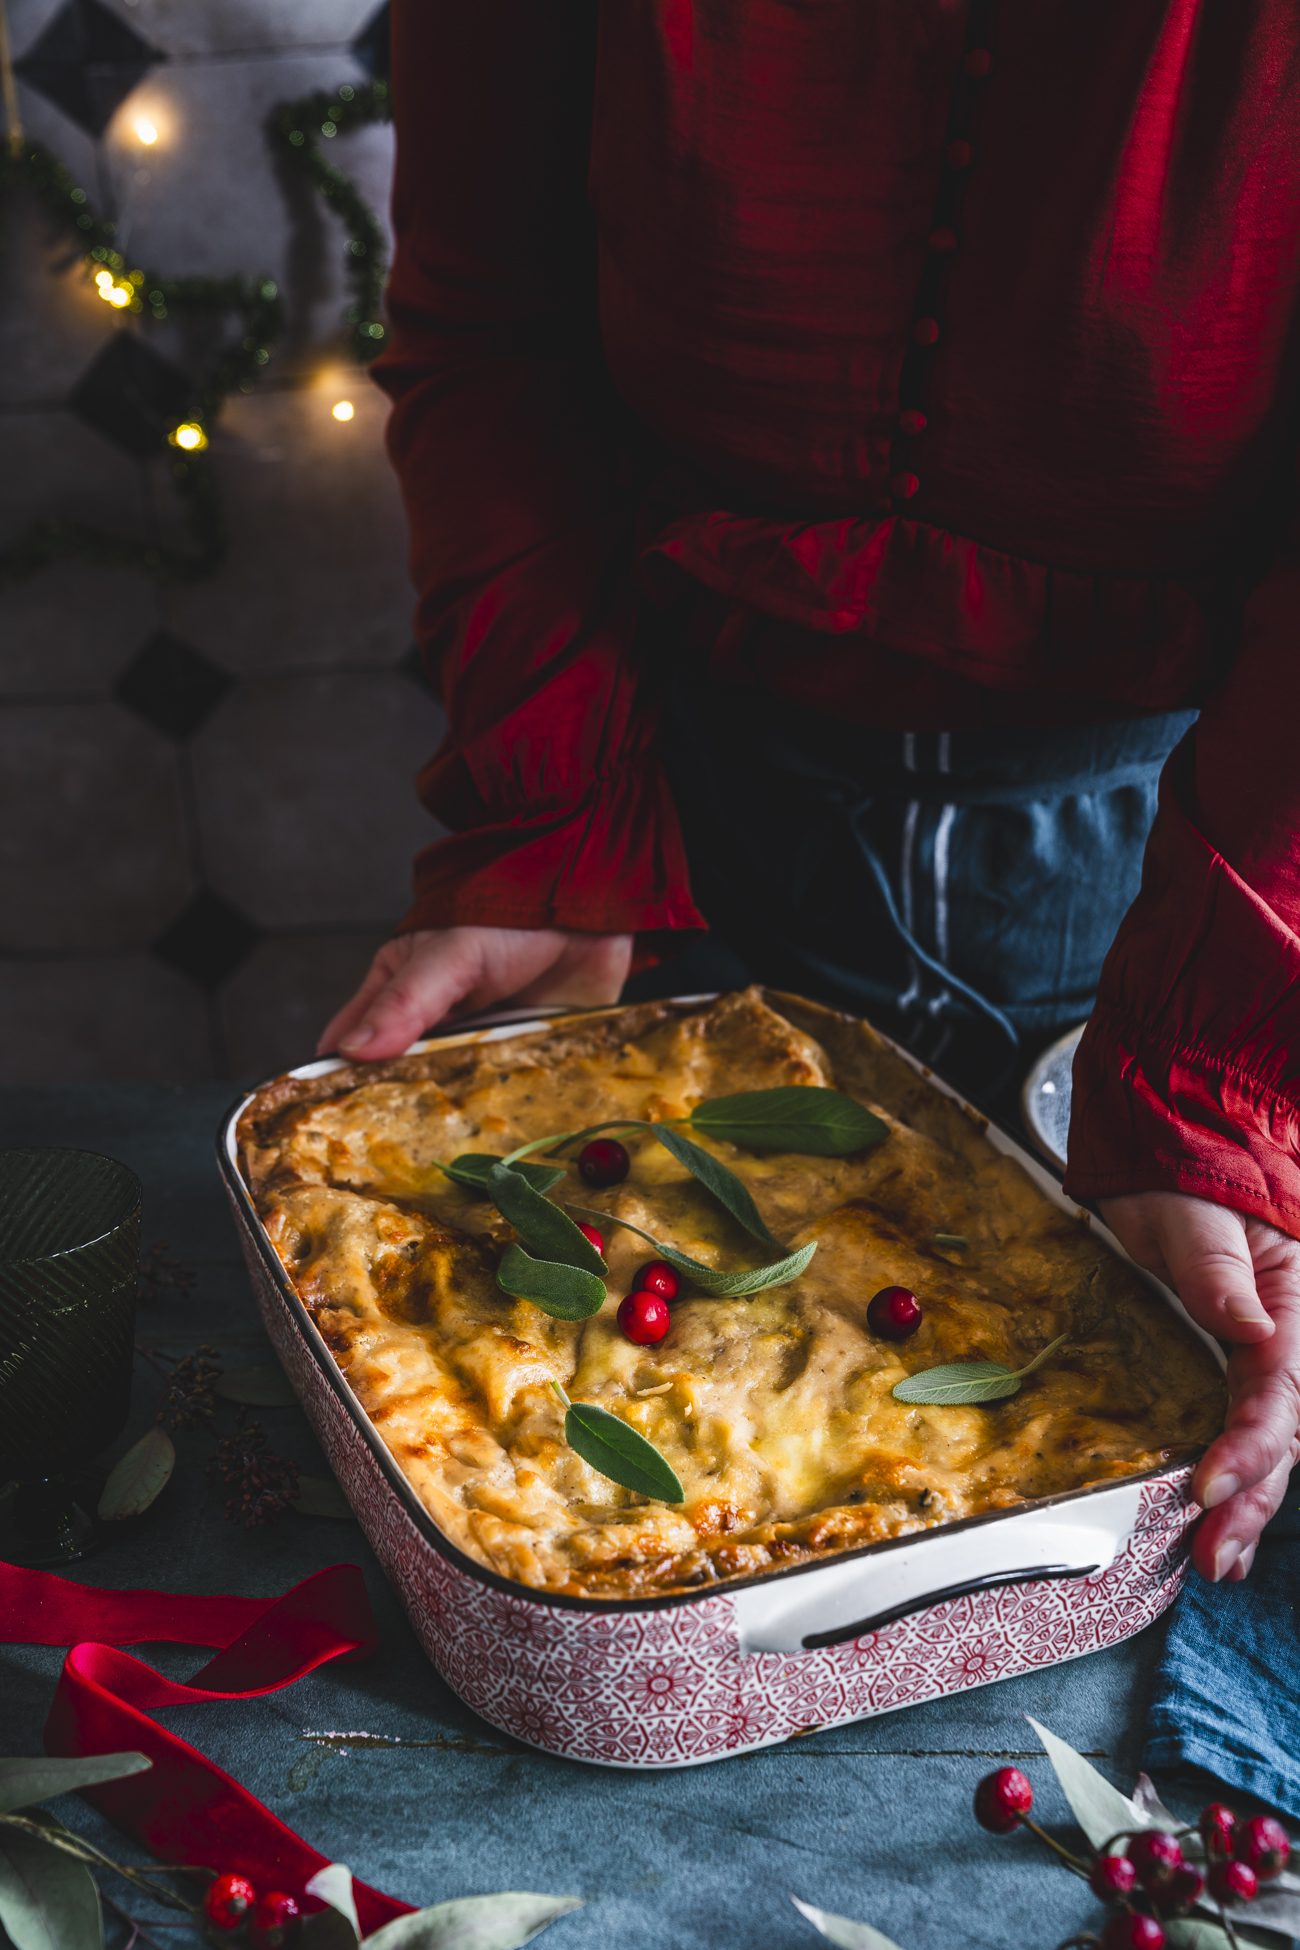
562,1140
958,1383
617,1451
565,1292
956,1242
842,1930
138,1477
802,1117
473,1167
48,1901
320,1496
715,1177
24,1783
716,1282
544,1229
500,1922
264,1386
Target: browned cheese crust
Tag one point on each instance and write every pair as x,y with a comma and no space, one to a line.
776,1412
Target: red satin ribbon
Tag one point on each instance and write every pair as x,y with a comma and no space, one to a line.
184,1808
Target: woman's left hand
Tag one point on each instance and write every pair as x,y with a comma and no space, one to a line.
1240,1280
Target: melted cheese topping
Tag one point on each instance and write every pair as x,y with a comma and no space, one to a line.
775,1412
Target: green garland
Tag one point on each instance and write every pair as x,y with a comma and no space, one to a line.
295,129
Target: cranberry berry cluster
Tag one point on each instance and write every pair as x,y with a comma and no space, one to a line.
1142,1874
266,1921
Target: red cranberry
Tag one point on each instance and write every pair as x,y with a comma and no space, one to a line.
603,1162
894,1314
228,1900
657,1276
1112,1877
1217,1823
644,1318
1233,1882
1002,1798
273,1919
1126,1931
1264,1845
1157,1857
593,1237
1186,1886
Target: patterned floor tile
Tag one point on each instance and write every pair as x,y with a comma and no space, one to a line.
108,1020
274,1008
72,627
58,469
249,26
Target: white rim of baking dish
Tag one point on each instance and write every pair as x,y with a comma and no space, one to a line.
498,1027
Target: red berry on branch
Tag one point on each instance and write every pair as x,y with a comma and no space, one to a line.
657,1276
228,1900
894,1314
273,1920
1233,1882
1001,1799
1186,1886
644,1318
593,1238
1157,1857
1111,1877
1125,1931
603,1162
1264,1845
1217,1824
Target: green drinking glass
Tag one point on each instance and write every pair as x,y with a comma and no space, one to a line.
69,1272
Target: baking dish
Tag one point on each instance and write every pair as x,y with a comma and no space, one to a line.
693,1676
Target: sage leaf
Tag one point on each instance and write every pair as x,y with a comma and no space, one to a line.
472,1169
138,1477
500,1922
261,1387
955,1383
320,1496
723,1184
617,1451
25,1783
803,1117
1098,1807
48,1901
565,1292
544,1228
955,1242
333,1885
715,1281
842,1930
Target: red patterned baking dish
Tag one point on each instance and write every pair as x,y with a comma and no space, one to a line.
690,1677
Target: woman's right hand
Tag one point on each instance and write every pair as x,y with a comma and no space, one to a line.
416,980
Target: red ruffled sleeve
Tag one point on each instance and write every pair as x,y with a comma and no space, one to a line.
1188,1075
505,436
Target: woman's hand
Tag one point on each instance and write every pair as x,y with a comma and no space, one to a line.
1240,1280
417,979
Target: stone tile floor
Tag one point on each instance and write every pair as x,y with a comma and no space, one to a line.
209,807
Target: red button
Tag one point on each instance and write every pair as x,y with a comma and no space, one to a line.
904,486
925,331
978,62
943,239
912,420
959,154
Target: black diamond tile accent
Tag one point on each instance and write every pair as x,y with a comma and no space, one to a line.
172,686
86,62
208,940
411,664
371,46
131,394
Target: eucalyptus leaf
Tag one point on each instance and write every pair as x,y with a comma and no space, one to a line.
263,1386
473,1168
500,1922
24,1783
544,1229
333,1885
617,1451
565,1292
1098,1807
1205,1933
138,1477
954,1383
842,1930
320,1496
326,1930
802,1117
1153,1809
1273,1909
716,1282
715,1178
48,1901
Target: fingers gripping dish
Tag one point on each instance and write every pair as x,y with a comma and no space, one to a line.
776,1412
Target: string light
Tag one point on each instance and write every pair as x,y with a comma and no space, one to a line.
146,131
343,409
189,436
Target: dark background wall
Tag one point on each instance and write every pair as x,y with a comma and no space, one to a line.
206,811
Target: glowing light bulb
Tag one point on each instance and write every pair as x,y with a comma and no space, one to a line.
343,409
189,436
103,278
146,131
116,295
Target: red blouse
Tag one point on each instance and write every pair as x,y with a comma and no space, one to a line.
938,363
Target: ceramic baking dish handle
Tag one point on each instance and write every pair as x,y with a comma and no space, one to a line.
840,1602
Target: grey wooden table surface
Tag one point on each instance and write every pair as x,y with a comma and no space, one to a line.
379,1765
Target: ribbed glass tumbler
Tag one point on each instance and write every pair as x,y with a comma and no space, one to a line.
69,1270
